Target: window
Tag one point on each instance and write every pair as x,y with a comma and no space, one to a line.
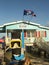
34,34
28,33
31,33
43,33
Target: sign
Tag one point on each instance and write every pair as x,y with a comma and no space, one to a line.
22,26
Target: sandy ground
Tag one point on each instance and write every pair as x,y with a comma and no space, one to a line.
34,59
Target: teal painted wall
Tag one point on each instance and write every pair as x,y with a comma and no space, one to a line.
1,28
21,26
47,33
47,36
28,26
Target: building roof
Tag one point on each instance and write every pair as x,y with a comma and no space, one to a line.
27,22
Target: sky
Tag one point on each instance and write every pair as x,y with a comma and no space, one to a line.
12,11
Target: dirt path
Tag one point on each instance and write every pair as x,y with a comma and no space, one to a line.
34,59
38,60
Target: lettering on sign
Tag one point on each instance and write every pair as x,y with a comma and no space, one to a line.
22,26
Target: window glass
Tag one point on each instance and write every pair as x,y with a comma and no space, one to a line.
28,33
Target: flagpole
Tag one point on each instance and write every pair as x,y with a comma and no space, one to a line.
31,17
23,18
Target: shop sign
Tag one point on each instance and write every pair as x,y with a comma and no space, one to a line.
22,26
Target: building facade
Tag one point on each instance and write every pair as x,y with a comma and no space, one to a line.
31,30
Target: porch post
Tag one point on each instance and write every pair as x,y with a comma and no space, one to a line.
22,38
6,37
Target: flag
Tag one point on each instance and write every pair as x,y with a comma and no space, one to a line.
34,15
29,12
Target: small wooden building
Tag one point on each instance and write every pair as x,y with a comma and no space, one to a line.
31,30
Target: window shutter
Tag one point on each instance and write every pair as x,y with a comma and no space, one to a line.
35,34
44,33
25,34
38,33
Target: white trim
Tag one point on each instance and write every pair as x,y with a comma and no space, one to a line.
1,26
34,23
9,23
12,23
19,22
29,44
24,22
44,27
30,22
